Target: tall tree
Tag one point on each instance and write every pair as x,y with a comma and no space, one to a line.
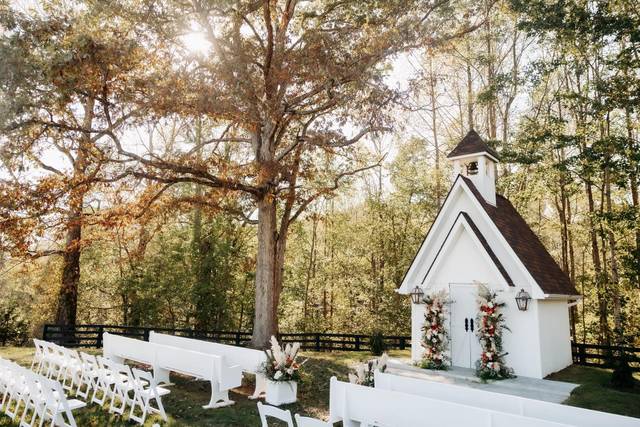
65,74
295,86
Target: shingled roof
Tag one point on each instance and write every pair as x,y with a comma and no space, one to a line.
472,143
527,246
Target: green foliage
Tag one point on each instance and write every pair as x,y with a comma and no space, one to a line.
14,328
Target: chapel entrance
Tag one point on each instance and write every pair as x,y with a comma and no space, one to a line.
465,347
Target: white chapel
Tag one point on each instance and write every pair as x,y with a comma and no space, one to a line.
478,237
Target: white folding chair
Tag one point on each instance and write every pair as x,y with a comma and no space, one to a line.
71,369
17,390
53,359
88,375
310,422
123,384
38,356
104,381
143,396
273,412
58,408
34,401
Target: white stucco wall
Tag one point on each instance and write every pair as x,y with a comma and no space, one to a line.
465,263
459,200
555,335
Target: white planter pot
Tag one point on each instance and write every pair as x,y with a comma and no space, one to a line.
281,392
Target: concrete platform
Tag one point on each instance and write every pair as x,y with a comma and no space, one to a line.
531,388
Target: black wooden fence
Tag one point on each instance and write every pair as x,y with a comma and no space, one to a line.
91,336
604,355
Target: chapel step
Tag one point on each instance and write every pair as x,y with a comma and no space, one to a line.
531,388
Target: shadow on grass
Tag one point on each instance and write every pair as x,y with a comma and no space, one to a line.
595,391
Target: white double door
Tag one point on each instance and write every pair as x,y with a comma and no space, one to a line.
465,346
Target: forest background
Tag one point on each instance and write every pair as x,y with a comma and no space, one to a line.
553,86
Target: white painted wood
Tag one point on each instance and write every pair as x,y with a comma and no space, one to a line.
538,343
501,403
353,404
310,422
250,360
165,359
281,392
273,412
465,346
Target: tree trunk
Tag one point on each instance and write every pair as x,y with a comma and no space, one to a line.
436,147
68,295
265,322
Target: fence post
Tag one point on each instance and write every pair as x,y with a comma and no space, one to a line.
145,334
238,339
357,342
317,342
403,343
45,333
583,355
99,340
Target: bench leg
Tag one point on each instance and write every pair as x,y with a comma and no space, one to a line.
161,375
219,398
261,386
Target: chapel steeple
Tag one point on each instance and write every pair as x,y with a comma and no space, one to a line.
473,158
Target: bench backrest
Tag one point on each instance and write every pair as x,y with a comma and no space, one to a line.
206,366
249,359
501,402
391,408
129,348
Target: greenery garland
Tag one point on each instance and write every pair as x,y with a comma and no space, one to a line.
435,337
491,364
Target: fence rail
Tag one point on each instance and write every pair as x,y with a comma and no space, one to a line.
91,336
604,355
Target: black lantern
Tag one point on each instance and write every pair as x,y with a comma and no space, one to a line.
522,299
416,295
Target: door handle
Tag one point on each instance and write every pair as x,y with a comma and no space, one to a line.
471,325
466,324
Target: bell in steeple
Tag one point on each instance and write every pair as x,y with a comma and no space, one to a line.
473,158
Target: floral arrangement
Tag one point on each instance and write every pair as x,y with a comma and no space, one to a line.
491,364
364,372
435,337
281,364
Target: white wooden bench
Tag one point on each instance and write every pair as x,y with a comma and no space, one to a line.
249,359
367,406
165,359
502,402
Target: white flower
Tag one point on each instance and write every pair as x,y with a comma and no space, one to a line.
382,363
277,375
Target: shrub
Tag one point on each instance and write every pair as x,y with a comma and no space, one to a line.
13,328
378,345
622,376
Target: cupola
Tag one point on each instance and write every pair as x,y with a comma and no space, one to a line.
473,158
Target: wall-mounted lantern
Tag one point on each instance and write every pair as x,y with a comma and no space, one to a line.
416,295
522,299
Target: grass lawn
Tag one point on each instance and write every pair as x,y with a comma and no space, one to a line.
184,404
595,393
